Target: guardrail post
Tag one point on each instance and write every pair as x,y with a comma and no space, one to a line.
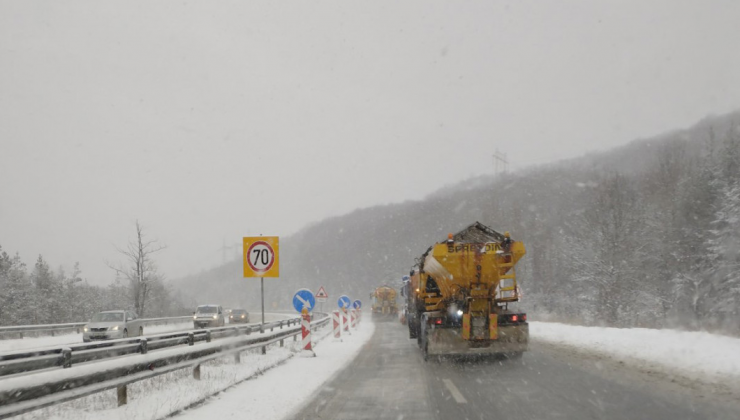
236,332
272,327
196,372
281,343
52,333
264,349
191,339
21,334
208,336
66,358
237,357
143,346
122,395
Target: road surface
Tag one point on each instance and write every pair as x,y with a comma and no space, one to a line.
389,380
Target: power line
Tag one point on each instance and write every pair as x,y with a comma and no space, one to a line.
500,162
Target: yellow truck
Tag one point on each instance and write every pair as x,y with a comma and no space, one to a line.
384,302
458,296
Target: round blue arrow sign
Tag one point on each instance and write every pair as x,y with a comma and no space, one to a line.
357,304
344,302
304,298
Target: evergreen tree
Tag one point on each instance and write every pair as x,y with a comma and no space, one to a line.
692,287
17,292
45,306
724,243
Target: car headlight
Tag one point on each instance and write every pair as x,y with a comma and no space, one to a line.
195,316
114,328
215,317
84,329
242,316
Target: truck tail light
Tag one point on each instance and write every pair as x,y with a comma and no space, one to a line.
514,318
438,321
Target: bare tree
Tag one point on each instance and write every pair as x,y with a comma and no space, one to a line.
139,269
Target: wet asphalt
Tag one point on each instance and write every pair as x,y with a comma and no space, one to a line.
390,380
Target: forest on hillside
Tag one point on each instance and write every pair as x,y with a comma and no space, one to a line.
647,234
46,296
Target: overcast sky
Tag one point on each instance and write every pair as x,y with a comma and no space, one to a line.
209,121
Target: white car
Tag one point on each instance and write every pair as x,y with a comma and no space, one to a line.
109,325
208,316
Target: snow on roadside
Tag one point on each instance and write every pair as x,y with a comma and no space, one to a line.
698,354
160,396
279,392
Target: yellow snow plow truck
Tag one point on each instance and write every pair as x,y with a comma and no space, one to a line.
384,303
459,293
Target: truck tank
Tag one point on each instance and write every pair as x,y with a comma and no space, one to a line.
459,293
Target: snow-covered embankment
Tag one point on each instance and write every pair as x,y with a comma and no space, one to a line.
699,355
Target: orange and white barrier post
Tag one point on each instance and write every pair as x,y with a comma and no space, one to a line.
353,318
345,321
337,324
306,333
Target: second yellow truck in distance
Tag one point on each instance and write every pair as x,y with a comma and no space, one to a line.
384,303
458,296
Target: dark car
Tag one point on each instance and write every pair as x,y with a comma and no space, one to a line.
239,316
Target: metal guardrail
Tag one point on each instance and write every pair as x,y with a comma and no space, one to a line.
65,356
23,330
47,390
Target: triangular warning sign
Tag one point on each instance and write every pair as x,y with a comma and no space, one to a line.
322,293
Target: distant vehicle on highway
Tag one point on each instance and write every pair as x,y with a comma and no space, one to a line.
239,316
208,316
108,325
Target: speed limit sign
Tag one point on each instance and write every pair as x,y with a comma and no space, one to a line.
261,256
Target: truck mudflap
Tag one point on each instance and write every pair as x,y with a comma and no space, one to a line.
449,341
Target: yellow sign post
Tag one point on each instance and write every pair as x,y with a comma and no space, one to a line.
261,258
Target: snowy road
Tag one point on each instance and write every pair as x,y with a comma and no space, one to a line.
389,380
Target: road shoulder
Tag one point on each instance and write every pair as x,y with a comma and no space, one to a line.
639,372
